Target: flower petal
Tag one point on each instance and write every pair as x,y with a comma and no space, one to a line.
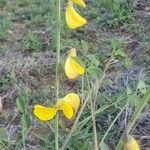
72,68
79,2
44,113
73,100
73,19
69,70
77,67
131,144
66,108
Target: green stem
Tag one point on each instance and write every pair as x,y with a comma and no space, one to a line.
100,110
23,139
76,121
57,68
56,132
94,123
111,126
81,110
2,146
99,83
82,90
136,114
98,86
93,117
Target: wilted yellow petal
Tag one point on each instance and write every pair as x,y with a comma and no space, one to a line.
79,2
73,19
131,144
44,113
73,100
72,52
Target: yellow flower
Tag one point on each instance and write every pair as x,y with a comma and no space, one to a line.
73,19
69,105
131,144
72,68
79,2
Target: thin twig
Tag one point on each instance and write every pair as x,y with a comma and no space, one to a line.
94,124
98,86
93,117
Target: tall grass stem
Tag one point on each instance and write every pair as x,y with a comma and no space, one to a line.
111,125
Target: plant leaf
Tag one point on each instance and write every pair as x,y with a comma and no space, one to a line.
85,47
107,81
129,91
20,105
95,72
93,59
147,96
104,146
26,121
142,86
127,62
133,99
120,53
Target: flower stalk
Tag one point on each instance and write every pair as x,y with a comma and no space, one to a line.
93,121
57,68
75,122
84,104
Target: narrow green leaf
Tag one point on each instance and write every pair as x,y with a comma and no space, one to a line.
127,62
136,114
13,76
139,109
20,104
26,121
85,46
134,100
147,96
119,52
